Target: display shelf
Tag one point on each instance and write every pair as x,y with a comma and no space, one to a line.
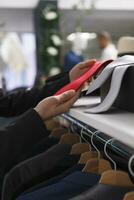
116,123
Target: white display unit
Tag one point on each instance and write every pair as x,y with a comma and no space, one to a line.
116,123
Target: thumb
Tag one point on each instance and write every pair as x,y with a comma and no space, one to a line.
66,96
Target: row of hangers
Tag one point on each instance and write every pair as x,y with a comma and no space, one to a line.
92,159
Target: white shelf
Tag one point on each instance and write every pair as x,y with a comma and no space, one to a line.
118,124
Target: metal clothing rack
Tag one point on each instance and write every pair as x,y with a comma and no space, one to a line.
116,147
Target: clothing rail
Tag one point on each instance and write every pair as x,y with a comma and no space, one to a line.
116,147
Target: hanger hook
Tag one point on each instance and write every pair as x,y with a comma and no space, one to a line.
130,165
92,142
68,128
71,127
105,151
81,136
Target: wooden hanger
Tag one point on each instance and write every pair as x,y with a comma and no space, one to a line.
69,139
80,148
51,124
58,132
87,156
129,196
116,178
97,166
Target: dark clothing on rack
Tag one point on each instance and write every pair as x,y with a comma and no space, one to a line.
34,173
56,178
34,170
18,138
18,102
104,192
39,148
69,161
68,187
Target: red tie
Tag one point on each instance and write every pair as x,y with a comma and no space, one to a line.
76,84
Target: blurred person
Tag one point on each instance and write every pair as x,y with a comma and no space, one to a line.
109,50
71,59
74,56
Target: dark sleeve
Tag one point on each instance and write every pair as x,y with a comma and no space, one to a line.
17,103
19,137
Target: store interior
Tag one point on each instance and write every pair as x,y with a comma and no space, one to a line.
67,100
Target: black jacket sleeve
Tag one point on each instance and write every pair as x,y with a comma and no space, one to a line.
19,137
17,103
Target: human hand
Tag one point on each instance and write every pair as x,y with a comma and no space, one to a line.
80,69
55,105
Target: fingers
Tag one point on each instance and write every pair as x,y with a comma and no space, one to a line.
68,104
87,64
66,96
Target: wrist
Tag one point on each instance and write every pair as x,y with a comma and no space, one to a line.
40,113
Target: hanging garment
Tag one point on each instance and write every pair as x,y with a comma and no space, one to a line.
18,138
104,192
18,185
68,187
105,74
76,84
24,174
40,147
117,78
109,52
56,179
62,166
32,171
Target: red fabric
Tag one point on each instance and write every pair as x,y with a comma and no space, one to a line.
76,84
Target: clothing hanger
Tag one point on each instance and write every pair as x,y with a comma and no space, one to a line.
96,165
69,139
58,132
130,165
114,177
80,147
86,155
129,196
51,124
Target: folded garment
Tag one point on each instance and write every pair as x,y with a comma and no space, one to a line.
108,70
78,83
117,78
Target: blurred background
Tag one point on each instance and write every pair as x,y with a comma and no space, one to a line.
39,39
